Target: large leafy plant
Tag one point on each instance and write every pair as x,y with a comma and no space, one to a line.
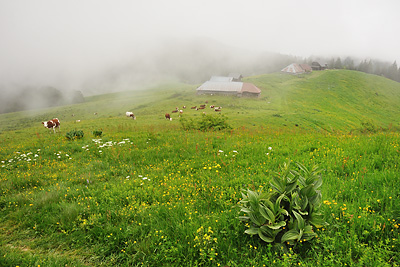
287,212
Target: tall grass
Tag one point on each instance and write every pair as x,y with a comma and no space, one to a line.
149,193
141,196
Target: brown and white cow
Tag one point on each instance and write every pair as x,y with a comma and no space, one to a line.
52,124
130,115
168,117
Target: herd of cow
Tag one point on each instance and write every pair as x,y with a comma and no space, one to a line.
55,123
180,111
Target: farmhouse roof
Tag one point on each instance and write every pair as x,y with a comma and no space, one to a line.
250,88
293,68
228,87
221,86
306,67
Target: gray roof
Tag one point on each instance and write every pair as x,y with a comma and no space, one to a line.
293,68
229,87
221,86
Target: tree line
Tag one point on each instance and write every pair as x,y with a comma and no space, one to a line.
377,67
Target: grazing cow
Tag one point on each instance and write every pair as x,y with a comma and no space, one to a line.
175,111
130,115
194,107
168,117
212,106
184,107
52,124
95,113
202,106
217,109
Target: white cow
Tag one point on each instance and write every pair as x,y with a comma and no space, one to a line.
130,115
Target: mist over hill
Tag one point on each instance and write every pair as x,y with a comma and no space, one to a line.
187,61
191,62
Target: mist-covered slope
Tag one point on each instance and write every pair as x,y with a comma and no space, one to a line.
327,100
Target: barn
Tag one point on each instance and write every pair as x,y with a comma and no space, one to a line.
239,89
295,68
317,65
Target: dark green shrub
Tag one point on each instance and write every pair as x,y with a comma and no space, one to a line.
74,134
206,122
368,126
97,133
289,210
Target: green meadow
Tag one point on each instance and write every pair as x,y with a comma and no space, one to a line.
146,192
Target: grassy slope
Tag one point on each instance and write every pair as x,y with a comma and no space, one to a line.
334,99
329,100
334,103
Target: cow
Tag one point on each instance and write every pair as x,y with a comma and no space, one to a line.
130,115
194,107
168,117
175,111
52,124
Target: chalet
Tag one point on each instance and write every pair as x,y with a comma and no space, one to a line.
315,65
220,85
295,68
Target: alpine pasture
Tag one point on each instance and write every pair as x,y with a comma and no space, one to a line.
145,192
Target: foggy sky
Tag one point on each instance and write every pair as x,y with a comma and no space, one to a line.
65,43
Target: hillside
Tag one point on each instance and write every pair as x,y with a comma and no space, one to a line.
141,192
329,100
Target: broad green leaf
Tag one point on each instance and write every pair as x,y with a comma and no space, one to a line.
269,204
284,212
244,218
278,184
264,237
246,210
300,235
299,220
290,235
307,191
255,218
267,213
308,236
316,199
277,225
317,220
304,203
302,212
318,183
252,231
291,186
253,197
